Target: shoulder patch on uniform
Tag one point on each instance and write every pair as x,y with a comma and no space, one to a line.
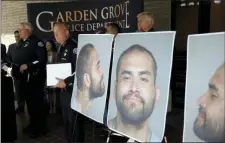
75,50
40,44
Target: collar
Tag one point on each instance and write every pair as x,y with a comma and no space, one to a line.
65,42
151,30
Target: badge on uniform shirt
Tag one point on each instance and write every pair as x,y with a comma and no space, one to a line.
26,44
40,44
75,50
65,54
66,50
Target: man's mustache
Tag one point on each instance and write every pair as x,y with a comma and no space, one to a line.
136,94
202,111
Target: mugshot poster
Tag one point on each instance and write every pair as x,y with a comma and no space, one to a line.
204,98
140,85
91,77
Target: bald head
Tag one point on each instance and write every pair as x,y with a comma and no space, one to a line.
219,76
61,32
209,124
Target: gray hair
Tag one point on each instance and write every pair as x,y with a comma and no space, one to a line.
27,25
148,15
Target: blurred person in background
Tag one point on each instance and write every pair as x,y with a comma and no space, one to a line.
12,53
8,115
52,59
113,28
145,22
100,30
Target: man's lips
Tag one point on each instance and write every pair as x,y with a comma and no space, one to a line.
133,98
201,116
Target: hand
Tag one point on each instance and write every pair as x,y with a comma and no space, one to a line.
61,83
23,68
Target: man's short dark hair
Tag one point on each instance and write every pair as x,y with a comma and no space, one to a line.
115,27
15,32
100,30
83,64
138,48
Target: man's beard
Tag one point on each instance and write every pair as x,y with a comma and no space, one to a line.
207,130
130,115
97,89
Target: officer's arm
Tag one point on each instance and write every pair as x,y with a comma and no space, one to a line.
41,57
73,56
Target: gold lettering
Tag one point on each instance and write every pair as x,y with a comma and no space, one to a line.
68,16
95,15
60,17
85,15
78,14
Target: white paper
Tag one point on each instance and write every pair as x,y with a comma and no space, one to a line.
54,71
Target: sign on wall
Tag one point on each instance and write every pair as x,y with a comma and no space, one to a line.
82,17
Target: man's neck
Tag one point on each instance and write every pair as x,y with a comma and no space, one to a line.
141,131
64,41
25,38
83,101
147,29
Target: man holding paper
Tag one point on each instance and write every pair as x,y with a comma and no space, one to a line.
67,53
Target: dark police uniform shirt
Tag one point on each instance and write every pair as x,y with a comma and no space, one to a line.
67,54
31,52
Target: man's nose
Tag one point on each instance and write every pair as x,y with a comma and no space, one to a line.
134,85
202,101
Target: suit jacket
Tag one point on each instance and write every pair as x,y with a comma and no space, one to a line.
3,53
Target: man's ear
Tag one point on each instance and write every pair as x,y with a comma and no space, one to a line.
87,80
67,33
157,92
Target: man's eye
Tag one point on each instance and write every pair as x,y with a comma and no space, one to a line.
144,79
126,78
213,96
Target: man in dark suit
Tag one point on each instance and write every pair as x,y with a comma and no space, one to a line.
3,52
11,54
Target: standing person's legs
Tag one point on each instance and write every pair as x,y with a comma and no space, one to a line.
65,98
54,101
50,99
77,127
36,105
20,88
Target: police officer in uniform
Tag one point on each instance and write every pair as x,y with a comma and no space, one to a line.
67,53
31,60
